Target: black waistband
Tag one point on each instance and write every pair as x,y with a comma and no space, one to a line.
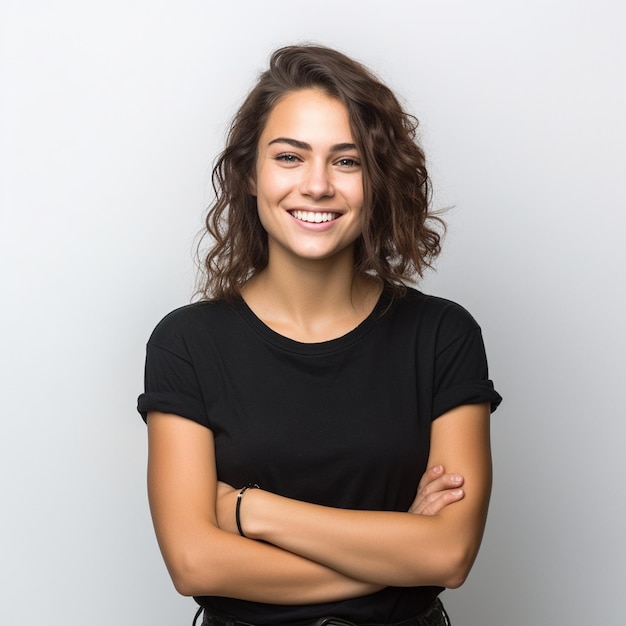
435,615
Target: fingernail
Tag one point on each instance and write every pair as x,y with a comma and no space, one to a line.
456,478
457,492
438,469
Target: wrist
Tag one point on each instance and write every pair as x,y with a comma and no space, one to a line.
239,506
257,513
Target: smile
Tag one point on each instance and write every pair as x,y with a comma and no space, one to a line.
315,217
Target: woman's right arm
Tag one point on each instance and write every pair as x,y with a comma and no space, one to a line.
201,558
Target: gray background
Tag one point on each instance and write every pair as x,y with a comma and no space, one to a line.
111,116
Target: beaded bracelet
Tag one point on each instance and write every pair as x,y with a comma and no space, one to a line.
238,505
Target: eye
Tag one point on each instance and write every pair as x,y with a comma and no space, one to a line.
287,157
348,162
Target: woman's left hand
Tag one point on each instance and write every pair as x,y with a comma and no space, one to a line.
437,490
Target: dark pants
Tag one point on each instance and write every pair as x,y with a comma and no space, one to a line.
433,616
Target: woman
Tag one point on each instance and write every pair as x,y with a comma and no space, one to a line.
293,412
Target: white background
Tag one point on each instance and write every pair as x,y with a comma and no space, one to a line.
112,114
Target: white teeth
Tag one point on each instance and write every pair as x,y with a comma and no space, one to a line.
314,216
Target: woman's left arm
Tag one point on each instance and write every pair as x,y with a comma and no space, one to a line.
389,548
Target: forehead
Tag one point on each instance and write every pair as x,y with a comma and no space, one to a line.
308,114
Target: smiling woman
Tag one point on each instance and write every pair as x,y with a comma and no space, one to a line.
355,406
308,180
399,236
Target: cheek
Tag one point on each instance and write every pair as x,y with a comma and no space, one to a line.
355,192
358,202
264,206
268,184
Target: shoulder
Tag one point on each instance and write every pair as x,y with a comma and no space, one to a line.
188,322
438,315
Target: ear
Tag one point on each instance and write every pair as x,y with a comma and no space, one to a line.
252,186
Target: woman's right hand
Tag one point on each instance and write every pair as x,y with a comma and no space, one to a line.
436,490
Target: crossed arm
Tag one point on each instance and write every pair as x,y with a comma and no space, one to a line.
311,553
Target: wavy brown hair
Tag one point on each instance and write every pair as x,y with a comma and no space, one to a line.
401,235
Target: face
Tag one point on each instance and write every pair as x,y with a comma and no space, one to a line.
309,183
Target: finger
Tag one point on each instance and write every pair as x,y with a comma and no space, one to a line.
429,475
434,489
423,500
436,502
440,483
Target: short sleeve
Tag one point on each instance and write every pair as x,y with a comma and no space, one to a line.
461,373
171,386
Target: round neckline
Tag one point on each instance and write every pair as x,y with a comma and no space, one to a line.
322,347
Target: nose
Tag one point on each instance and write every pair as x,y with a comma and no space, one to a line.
316,181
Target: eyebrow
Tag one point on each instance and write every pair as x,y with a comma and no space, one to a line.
301,145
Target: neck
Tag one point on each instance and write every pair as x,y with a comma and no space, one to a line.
312,300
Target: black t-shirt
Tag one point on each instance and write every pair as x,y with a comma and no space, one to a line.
343,423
